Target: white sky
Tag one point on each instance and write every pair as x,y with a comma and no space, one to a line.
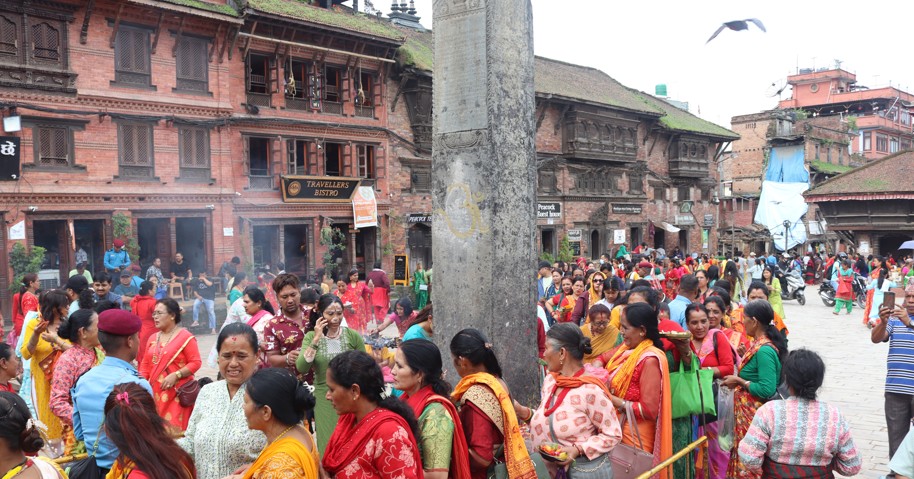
643,43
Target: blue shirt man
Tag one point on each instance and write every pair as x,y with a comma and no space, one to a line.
117,259
688,291
897,328
118,334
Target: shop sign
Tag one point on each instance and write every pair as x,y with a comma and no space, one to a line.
575,248
414,218
364,208
548,210
685,220
627,209
618,236
318,189
575,236
401,270
709,220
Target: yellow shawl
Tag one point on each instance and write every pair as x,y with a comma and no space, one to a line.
594,295
285,456
602,343
516,457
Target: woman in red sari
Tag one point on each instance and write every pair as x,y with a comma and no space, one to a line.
24,302
142,305
673,275
727,320
375,437
171,359
417,372
562,305
639,379
356,296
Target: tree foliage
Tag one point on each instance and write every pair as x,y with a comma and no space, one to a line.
24,261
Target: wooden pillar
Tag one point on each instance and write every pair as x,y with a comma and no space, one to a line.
282,244
352,256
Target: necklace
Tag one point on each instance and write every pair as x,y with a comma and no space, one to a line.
283,433
338,332
17,469
160,346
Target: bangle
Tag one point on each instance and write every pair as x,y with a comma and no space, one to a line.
529,414
288,362
580,450
178,374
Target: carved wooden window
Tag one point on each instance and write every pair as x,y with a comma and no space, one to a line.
45,42
194,153
635,184
297,77
132,65
135,147
660,193
685,193
420,179
365,91
365,155
258,159
53,146
333,159
333,90
192,64
9,34
258,74
297,152
547,181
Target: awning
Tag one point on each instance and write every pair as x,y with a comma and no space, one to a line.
669,227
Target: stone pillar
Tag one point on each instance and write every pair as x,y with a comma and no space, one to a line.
483,182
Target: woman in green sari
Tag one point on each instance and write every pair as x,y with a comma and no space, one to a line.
420,284
326,340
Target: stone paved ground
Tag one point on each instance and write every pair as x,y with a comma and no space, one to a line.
855,373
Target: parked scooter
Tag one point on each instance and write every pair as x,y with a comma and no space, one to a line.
827,292
796,287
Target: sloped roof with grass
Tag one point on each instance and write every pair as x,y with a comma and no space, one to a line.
588,84
677,119
884,177
418,51
335,18
206,6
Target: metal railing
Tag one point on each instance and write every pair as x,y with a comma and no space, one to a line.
675,457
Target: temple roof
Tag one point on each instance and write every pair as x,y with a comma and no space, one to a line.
883,177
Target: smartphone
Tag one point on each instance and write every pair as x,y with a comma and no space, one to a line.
888,299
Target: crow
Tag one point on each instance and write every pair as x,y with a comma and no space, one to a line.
738,25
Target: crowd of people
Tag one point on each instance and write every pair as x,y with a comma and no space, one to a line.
306,388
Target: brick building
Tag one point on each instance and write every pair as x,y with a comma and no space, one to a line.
610,160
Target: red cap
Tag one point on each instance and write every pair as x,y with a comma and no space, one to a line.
119,322
645,264
118,243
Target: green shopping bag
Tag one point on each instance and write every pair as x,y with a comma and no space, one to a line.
692,392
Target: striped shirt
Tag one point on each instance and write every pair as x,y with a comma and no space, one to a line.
800,432
899,378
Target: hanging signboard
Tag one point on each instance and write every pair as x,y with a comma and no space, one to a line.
401,270
548,210
685,220
574,235
414,218
618,236
627,209
709,220
364,208
317,189
575,248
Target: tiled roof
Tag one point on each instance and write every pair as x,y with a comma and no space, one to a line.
677,119
891,174
335,18
588,84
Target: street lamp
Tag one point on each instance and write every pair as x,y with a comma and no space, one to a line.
786,233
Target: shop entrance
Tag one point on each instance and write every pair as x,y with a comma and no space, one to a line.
888,245
190,240
296,248
266,246
154,238
366,249
60,257
684,241
419,242
659,238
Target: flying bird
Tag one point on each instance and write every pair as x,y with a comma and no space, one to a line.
738,25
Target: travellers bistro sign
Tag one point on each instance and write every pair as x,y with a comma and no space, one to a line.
318,189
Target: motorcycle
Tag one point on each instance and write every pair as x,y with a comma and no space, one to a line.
796,287
827,292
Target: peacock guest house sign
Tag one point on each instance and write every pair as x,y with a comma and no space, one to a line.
318,189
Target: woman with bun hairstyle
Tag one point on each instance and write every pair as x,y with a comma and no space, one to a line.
81,329
326,339
375,437
639,381
757,378
275,403
486,411
575,410
19,436
417,372
800,435
147,451
42,347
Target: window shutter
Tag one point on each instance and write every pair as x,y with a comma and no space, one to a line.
276,158
347,161
45,42
376,92
346,93
9,35
316,86
313,163
246,160
191,64
380,162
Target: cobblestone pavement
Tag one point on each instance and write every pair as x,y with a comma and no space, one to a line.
855,372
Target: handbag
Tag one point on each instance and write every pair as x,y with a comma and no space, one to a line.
87,468
691,391
187,393
499,470
630,462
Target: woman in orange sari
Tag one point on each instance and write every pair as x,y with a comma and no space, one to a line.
639,379
875,268
417,372
42,347
486,410
172,357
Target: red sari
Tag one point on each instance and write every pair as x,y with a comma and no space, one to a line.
379,446
22,305
160,361
460,454
142,306
358,315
